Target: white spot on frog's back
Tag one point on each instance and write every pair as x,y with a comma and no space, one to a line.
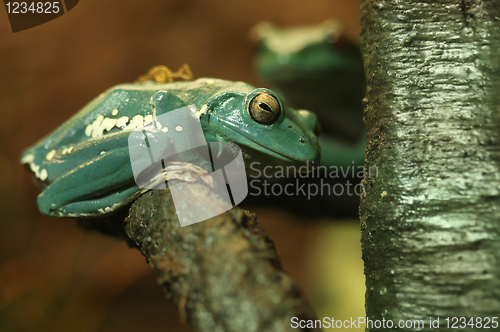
179,128
28,158
120,122
136,122
88,130
50,155
43,174
67,150
102,124
35,169
96,126
108,123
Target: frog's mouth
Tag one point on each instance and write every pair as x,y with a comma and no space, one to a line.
266,150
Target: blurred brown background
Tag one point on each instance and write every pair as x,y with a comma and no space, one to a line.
55,276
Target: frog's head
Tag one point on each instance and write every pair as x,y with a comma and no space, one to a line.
303,51
266,130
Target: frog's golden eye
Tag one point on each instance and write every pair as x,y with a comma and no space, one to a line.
264,108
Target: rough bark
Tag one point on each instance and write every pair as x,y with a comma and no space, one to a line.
431,219
223,274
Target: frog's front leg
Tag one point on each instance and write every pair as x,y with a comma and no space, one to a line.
95,177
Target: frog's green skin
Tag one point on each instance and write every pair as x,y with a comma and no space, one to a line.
84,166
314,67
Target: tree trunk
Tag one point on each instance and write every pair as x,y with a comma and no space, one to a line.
430,218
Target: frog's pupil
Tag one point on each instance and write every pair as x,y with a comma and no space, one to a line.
264,106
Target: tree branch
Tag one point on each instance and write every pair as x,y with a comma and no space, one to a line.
223,274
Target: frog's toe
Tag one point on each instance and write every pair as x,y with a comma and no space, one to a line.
93,206
46,207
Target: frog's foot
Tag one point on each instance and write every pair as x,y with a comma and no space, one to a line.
187,172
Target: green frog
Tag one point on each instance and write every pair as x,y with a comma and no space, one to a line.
316,68
84,167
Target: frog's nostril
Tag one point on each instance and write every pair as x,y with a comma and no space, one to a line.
302,140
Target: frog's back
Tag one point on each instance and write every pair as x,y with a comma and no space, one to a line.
125,106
